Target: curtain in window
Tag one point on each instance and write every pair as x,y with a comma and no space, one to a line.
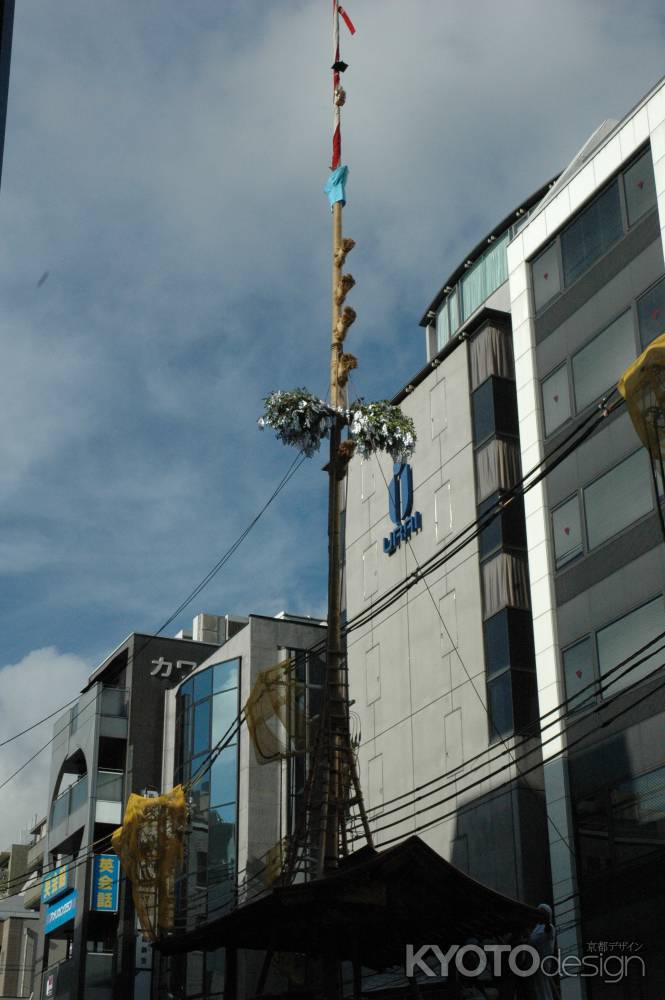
442,327
497,467
496,264
491,354
473,288
489,271
505,583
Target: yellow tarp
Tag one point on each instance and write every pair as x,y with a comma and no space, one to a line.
150,847
274,713
642,385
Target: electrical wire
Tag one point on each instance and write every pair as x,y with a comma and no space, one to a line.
47,744
288,475
453,776
502,788
39,722
456,544
480,524
83,856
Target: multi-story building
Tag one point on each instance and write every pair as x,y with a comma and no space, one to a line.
442,670
107,745
242,806
20,871
474,654
149,718
587,288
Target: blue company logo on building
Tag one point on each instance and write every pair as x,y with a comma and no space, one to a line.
60,913
400,505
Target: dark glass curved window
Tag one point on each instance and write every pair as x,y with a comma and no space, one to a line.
206,711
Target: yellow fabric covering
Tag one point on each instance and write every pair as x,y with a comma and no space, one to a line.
642,385
275,718
150,847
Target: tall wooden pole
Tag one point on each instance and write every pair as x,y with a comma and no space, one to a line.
332,792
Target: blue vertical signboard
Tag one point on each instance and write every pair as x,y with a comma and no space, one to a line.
105,882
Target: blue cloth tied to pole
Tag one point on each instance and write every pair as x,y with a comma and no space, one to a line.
335,187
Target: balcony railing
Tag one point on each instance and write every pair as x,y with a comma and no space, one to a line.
114,702
110,785
69,801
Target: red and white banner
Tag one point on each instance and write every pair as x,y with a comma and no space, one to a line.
337,129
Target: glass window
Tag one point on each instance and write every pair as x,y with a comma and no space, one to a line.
640,188
509,641
222,839
498,466
226,675
483,411
59,810
201,727
505,583
114,702
500,697
507,531
224,714
202,684
201,788
591,234
185,693
317,668
494,409
618,498
567,531
651,313
223,777
556,399
197,763
194,973
505,407
442,326
215,965
599,365
79,793
109,785
578,672
489,539
187,734
546,276
453,310
485,276
618,641
497,642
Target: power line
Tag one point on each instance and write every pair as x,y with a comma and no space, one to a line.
555,756
454,775
458,542
83,855
288,475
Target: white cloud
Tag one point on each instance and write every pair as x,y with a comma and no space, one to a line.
165,163
40,682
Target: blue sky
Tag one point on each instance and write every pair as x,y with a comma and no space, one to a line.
164,162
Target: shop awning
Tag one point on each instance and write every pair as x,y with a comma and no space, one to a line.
374,906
